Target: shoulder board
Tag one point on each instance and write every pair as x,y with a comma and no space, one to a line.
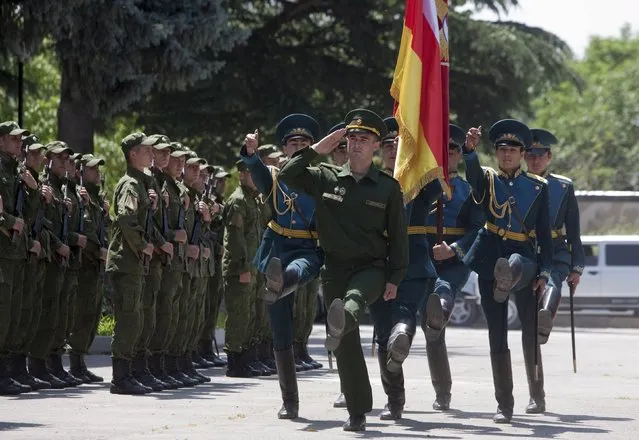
536,177
330,165
489,170
390,176
560,177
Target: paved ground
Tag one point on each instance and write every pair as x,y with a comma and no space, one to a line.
600,401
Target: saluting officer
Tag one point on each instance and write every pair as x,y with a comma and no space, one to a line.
568,252
504,255
462,219
362,225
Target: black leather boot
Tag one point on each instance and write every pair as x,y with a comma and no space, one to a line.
335,324
156,367
439,372
267,357
253,362
76,369
8,386
185,367
547,313
355,423
205,349
38,369
279,282
94,378
285,362
503,381
199,362
123,382
172,369
399,343
507,274
189,369
19,373
141,373
236,367
537,403
393,383
55,365
299,362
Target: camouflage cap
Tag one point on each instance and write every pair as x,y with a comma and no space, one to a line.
12,128
135,139
179,150
89,160
208,167
267,149
58,147
32,143
161,141
75,156
275,155
195,160
221,173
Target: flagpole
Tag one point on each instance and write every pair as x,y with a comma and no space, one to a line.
442,18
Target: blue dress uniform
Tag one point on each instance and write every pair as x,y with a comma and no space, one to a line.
568,252
462,219
288,254
395,327
505,256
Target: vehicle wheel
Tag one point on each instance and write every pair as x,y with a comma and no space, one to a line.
513,315
464,313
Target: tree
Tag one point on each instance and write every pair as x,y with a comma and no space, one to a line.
598,127
325,57
113,54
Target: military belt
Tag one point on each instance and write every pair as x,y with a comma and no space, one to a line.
556,233
505,234
418,230
291,233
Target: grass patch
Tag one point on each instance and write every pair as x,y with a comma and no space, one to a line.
221,319
106,325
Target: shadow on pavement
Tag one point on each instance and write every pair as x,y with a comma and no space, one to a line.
7,426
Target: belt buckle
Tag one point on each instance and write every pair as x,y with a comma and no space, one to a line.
501,232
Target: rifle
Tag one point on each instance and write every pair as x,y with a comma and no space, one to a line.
181,223
102,228
64,234
148,231
40,219
19,206
81,209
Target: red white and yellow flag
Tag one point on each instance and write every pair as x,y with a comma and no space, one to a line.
420,90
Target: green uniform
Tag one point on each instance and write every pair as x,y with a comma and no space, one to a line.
262,332
241,240
167,306
362,229
304,312
88,305
125,263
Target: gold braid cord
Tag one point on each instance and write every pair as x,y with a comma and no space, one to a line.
496,209
288,201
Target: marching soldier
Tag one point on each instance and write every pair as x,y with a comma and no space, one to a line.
305,309
58,212
270,156
462,219
241,239
36,225
504,255
88,305
215,286
568,253
361,222
19,192
288,255
130,253
397,320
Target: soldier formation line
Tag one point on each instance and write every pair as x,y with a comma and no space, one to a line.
174,248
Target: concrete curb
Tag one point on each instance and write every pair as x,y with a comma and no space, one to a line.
102,344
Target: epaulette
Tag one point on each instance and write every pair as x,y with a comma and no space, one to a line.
489,170
390,176
560,177
536,177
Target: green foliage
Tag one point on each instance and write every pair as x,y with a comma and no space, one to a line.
106,325
598,127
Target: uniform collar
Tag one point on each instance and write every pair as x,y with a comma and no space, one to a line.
545,174
372,173
507,176
136,173
8,159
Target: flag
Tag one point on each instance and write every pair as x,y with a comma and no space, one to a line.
420,90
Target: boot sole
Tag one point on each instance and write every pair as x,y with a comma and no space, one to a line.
503,280
274,276
335,323
398,352
544,327
434,317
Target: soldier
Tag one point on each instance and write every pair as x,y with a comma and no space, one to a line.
58,212
77,239
361,221
339,156
397,320
568,253
215,287
129,255
503,254
35,271
164,357
288,255
462,219
241,239
147,369
305,309
194,283
88,306
269,155
18,188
